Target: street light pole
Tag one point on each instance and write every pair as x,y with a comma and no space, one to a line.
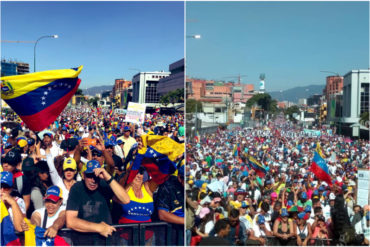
196,36
34,48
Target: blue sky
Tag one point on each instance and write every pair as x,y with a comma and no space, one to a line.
291,42
107,38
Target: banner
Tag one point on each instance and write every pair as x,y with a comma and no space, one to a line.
135,113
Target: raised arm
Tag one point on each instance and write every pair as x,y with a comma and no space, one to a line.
117,189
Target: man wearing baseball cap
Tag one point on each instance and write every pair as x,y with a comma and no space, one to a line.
52,216
88,205
127,139
15,205
21,184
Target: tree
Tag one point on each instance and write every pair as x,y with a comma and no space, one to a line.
293,109
79,92
164,100
265,101
193,105
173,97
93,101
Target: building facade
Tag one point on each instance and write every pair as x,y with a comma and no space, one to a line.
9,68
175,80
144,87
355,95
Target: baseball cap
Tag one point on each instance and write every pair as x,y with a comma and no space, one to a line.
69,163
119,142
304,195
260,219
284,212
7,178
48,134
54,193
301,215
22,142
331,196
126,128
244,204
13,157
91,165
307,209
204,212
31,142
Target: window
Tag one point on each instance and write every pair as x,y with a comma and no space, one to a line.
364,101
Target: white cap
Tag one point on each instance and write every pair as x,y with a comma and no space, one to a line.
8,130
81,129
331,196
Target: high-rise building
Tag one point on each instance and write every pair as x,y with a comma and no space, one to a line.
9,68
175,80
144,87
355,95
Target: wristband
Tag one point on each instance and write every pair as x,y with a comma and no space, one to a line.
110,180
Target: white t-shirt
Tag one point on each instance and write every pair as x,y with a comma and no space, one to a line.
50,221
258,232
55,150
209,226
56,179
21,205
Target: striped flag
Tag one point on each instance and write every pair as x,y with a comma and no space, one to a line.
320,169
35,237
38,98
257,166
319,151
8,237
158,156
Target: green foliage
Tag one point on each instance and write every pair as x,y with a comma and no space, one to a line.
173,97
192,106
293,109
93,101
264,101
79,92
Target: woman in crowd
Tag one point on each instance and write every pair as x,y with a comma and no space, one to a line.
207,222
41,183
303,229
283,228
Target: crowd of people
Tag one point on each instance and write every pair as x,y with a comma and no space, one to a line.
75,174
255,186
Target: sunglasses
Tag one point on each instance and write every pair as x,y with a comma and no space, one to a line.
69,170
141,170
91,175
96,154
5,186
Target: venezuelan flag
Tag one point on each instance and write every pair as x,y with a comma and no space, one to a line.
8,237
38,98
319,151
158,156
258,167
196,137
320,169
35,237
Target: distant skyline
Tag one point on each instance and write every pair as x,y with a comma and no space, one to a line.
291,42
110,39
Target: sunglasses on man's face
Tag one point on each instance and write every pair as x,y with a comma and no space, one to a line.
96,154
91,175
69,170
5,186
